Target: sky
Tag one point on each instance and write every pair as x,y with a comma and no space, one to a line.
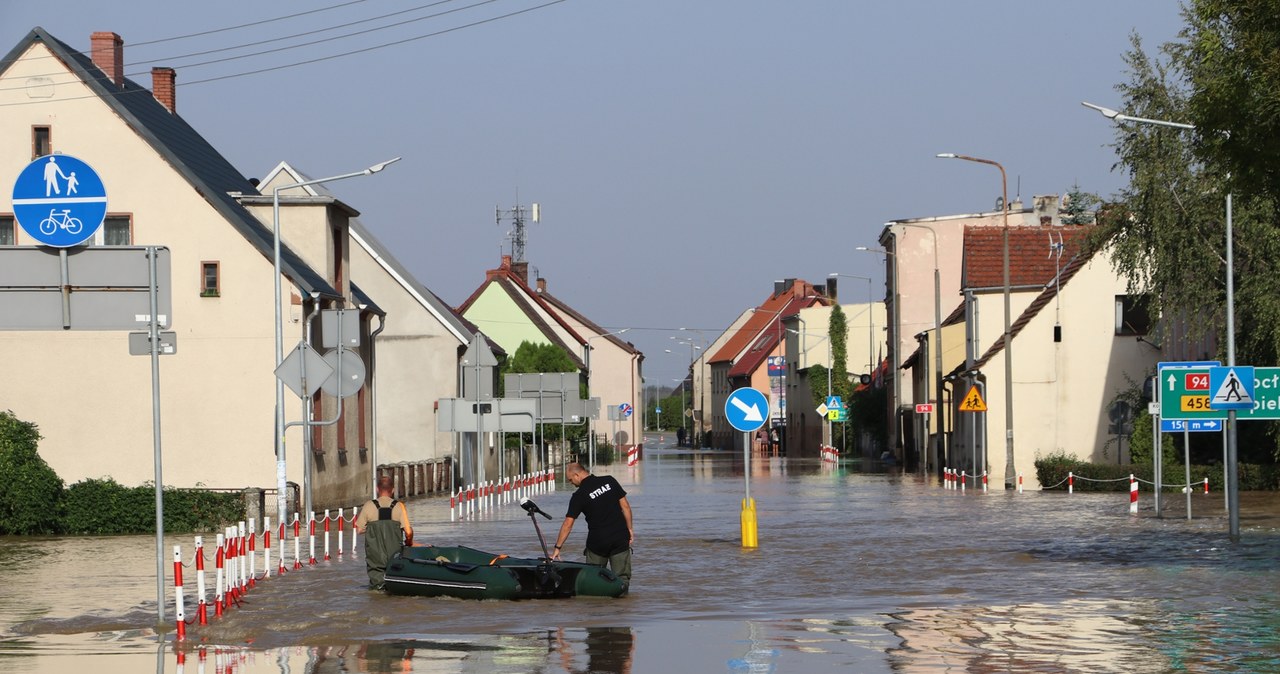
684,154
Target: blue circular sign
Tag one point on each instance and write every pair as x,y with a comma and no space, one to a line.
746,409
59,200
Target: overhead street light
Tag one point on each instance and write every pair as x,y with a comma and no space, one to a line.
1232,477
281,482
1010,471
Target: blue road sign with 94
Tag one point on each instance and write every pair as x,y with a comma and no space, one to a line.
59,200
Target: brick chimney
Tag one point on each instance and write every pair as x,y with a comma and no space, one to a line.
521,270
163,82
107,51
542,285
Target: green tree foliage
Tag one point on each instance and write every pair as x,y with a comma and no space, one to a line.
1080,207
1167,228
30,492
532,358
838,333
103,506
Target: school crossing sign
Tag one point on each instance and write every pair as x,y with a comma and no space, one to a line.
59,200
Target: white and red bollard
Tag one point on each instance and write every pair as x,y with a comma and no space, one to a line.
311,538
355,512
341,521
297,541
218,589
177,593
1019,483
964,482
1133,495
1206,485
202,616
326,535
253,555
280,543
1071,482
266,547
984,481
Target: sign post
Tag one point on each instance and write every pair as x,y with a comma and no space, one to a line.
745,409
1182,389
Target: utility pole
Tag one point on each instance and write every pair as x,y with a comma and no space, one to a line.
516,215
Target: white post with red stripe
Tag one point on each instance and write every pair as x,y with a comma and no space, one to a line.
326,534
1133,495
1019,483
253,554
984,481
280,543
218,589
297,541
201,610
311,538
266,547
177,593
1206,485
241,566
341,522
964,482
1071,482
355,512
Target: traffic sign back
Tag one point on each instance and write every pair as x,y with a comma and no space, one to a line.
59,200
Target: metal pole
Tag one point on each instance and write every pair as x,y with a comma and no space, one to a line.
1233,476
154,330
1010,471
1186,465
746,462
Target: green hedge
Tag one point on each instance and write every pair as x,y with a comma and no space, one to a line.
1052,472
30,492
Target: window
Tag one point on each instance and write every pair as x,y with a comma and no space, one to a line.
41,144
8,237
117,230
209,279
1131,315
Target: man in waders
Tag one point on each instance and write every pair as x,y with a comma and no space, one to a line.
609,532
384,521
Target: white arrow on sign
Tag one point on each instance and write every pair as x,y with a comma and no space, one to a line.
751,412
1172,380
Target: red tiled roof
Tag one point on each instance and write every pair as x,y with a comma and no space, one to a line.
759,336
1031,264
523,297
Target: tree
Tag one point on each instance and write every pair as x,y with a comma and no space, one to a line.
31,493
531,358
1079,207
1166,229
838,333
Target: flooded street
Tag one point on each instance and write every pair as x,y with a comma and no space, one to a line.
863,572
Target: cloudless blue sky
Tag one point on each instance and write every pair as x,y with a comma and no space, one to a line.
685,153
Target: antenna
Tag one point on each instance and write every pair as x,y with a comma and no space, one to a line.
516,215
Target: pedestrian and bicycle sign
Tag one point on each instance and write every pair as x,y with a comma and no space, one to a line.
59,201
745,409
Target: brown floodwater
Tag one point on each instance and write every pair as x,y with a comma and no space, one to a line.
855,571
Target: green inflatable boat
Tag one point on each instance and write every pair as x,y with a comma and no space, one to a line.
468,573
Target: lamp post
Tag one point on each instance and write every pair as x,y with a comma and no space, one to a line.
1010,471
871,319
281,483
1232,476
698,395
591,435
684,412
897,331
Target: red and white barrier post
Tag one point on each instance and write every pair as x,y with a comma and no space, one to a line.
355,512
266,547
177,593
1206,485
253,555
218,579
280,543
1019,483
297,541
201,610
311,538
984,481
326,535
1133,495
341,521
964,481
1071,482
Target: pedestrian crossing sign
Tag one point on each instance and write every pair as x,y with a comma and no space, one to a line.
973,401
1232,388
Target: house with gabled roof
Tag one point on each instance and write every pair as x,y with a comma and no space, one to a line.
743,360
166,186
418,349
1078,342
615,373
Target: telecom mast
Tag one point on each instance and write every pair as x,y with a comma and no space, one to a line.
516,215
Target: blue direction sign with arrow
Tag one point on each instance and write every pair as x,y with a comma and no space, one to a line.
746,409
59,200
1195,426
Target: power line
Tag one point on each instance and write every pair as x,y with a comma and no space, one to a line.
248,25
308,61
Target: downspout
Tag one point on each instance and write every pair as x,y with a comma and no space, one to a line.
373,404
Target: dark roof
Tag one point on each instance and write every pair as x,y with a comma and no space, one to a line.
1031,262
212,176
362,299
559,304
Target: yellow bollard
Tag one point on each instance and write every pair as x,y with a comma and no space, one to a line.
749,539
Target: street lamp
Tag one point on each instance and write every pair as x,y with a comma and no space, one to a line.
893,346
1009,470
683,412
1232,477
591,435
281,484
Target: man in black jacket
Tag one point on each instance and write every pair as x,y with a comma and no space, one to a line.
609,532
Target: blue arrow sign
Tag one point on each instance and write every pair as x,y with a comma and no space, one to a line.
746,409
1193,426
59,200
